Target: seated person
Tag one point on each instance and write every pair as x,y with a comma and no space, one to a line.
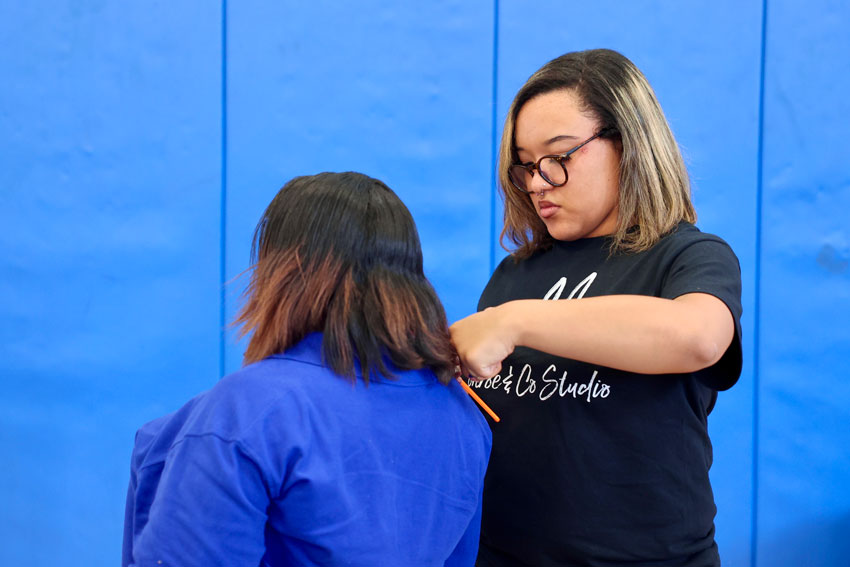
343,440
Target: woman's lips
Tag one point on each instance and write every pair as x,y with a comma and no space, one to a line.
547,209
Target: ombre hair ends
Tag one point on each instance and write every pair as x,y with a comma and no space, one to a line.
339,253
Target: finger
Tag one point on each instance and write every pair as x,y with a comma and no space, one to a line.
467,373
482,373
491,370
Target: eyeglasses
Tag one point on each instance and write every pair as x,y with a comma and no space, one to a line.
552,168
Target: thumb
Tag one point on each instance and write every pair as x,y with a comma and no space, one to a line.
491,370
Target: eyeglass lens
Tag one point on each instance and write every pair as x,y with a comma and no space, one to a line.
550,168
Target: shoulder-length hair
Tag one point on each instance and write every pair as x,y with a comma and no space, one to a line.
654,191
339,253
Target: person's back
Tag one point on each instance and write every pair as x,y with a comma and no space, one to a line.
344,440
287,462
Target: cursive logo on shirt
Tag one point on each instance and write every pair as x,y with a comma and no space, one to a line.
578,291
545,386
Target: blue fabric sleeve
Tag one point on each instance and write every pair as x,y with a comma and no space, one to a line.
210,507
466,551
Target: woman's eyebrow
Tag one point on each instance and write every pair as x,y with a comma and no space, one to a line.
551,141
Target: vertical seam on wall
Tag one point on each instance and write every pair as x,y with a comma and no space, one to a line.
493,135
223,210
757,325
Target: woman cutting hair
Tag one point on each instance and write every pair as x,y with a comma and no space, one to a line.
343,440
602,455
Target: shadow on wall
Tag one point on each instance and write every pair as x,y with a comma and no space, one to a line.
823,541
833,260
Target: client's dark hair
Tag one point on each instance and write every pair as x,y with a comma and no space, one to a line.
339,253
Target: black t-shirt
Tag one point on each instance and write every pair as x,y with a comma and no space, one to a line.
596,466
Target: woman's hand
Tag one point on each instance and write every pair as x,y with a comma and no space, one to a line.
483,340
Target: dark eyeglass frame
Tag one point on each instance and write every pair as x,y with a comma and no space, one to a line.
559,158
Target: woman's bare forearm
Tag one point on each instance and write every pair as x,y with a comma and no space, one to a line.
635,333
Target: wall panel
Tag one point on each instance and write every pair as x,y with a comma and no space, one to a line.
399,92
804,500
109,272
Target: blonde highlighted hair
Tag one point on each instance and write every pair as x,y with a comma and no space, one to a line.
654,186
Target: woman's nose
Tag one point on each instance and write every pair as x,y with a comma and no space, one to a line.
537,185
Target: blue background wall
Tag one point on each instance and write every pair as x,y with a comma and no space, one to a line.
139,145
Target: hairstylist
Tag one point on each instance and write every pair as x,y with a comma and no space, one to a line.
602,454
